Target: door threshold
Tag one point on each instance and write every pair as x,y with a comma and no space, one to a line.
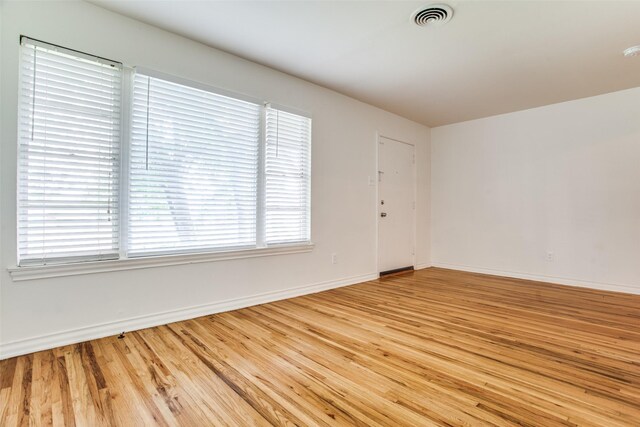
397,271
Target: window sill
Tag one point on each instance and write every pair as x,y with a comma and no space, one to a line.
20,274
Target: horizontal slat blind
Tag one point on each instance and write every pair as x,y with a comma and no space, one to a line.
287,177
69,139
193,169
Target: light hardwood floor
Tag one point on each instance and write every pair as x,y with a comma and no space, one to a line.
434,347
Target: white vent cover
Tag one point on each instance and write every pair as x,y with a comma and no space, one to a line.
632,51
432,14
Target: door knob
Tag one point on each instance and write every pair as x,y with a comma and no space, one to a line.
383,214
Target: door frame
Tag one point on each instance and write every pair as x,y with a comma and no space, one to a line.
377,197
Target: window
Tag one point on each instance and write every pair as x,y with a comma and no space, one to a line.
287,168
193,169
69,139
202,171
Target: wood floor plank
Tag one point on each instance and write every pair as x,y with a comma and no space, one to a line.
433,347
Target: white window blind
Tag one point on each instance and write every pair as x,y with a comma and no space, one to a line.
193,169
68,166
287,177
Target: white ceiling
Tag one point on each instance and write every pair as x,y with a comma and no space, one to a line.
492,57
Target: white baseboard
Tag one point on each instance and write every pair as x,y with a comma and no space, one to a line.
542,278
422,266
45,342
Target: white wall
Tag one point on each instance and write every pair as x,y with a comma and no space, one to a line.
564,178
47,312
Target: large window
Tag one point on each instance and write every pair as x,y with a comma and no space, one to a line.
202,171
193,169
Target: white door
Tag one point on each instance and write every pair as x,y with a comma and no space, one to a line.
396,207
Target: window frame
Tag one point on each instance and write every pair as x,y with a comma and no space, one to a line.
126,262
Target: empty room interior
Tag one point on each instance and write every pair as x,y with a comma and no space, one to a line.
320,213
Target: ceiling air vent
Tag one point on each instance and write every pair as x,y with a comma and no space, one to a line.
432,14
